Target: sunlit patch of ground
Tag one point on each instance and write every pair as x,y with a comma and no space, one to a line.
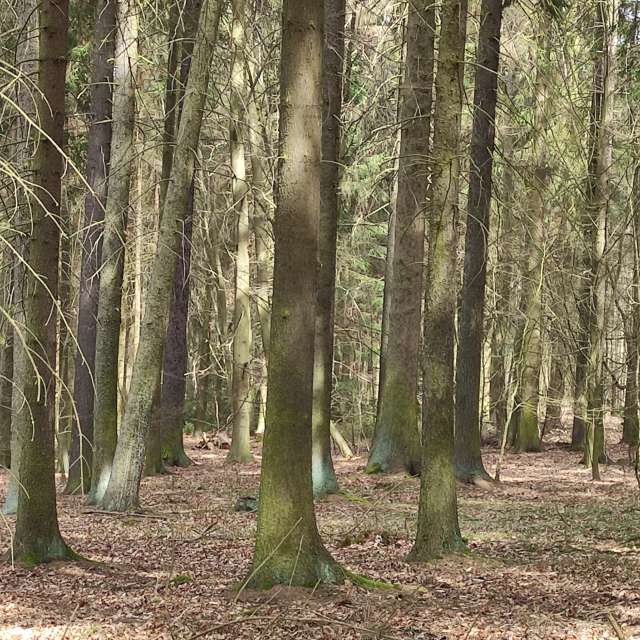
553,555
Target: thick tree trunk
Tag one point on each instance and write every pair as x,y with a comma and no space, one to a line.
123,488
111,274
468,456
242,338
37,537
288,546
438,529
98,153
322,471
396,440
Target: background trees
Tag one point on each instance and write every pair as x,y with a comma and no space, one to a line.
341,314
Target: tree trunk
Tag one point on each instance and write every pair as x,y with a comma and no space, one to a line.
529,340
594,225
174,381
631,423
6,364
242,338
170,412
396,440
468,456
37,537
288,546
27,64
98,152
123,488
111,273
322,471
438,529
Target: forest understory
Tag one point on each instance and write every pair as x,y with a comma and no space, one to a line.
552,555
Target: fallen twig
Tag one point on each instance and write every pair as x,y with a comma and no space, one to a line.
617,629
320,620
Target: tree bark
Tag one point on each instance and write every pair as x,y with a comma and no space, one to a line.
631,423
37,537
322,471
438,529
526,430
396,440
98,153
468,455
124,484
111,273
170,414
242,337
594,225
288,546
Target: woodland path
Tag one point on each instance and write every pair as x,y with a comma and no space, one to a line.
554,555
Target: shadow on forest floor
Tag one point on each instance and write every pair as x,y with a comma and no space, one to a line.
553,555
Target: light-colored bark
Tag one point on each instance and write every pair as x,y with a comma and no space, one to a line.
111,274
122,492
242,337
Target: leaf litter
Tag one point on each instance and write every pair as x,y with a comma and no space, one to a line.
552,555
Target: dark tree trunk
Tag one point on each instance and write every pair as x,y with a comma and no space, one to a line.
288,546
166,435
37,537
468,456
174,380
396,441
98,153
323,474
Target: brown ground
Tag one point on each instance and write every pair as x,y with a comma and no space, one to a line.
553,555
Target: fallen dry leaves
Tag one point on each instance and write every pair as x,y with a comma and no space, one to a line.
553,555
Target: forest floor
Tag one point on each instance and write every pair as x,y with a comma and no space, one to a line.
552,555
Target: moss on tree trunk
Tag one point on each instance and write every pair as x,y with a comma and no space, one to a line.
37,536
396,440
438,530
288,546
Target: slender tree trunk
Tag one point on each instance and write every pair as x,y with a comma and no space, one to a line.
631,423
241,379
529,339
288,546
174,382
6,363
594,225
37,537
27,64
170,414
323,474
438,529
124,485
396,440
98,153
260,181
111,273
468,456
